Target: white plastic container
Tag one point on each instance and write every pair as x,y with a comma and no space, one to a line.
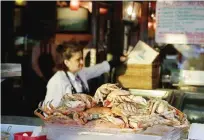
62,132
196,132
190,77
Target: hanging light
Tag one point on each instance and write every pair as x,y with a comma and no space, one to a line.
103,10
74,4
131,11
88,5
20,2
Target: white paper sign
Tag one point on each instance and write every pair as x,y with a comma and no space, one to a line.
196,132
142,54
180,22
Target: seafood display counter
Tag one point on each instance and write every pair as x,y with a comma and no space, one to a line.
112,113
72,133
158,132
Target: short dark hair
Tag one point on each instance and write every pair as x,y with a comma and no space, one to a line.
66,50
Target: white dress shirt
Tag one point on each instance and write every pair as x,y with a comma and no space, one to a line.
59,84
76,83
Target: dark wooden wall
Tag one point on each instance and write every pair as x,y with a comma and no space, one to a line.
40,19
7,30
116,46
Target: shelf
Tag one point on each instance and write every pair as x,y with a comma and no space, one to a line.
10,70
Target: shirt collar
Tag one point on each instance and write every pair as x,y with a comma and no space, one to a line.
72,76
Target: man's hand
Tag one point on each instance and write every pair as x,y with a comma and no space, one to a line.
118,60
124,58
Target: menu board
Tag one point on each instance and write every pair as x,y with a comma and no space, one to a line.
72,20
180,22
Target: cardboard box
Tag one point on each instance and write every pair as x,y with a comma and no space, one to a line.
140,76
142,70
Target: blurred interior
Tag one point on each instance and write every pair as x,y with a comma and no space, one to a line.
106,29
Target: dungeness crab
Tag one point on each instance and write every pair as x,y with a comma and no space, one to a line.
136,110
68,111
120,109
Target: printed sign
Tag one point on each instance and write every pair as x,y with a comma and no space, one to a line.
142,54
180,22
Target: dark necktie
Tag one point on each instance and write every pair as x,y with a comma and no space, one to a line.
84,88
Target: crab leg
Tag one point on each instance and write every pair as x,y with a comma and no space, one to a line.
39,115
46,110
51,106
156,104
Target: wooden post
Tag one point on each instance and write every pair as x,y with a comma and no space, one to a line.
144,22
95,25
7,24
116,46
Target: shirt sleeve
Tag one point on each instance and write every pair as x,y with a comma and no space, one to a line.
96,70
54,92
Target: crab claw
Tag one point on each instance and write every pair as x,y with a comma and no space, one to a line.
98,96
50,105
104,90
37,113
118,92
45,109
40,104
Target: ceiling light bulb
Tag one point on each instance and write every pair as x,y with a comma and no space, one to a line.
129,10
20,2
152,15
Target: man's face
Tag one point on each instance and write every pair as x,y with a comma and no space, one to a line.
75,63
